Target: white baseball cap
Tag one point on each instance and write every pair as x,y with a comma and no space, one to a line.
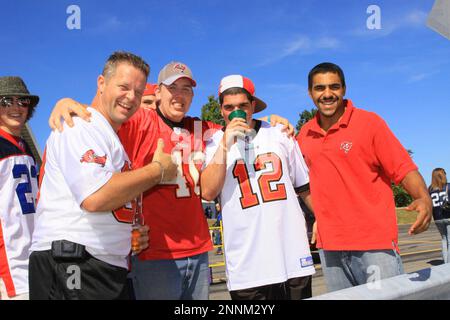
174,71
238,81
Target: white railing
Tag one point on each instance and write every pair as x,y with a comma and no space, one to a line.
427,284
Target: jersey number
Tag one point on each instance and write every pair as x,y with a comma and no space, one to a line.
249,197
183,190
24,188
436,198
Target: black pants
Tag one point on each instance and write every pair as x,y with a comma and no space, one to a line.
86,279
292,289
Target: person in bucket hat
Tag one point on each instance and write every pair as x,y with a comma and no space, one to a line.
15,87
18,188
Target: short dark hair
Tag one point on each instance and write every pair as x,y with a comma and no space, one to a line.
234,91
124,57
30,112
324,68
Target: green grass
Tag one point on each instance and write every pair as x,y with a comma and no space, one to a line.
406,217
403,217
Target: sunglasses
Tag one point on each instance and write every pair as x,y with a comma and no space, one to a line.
9,101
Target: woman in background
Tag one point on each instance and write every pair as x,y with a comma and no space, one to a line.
439,193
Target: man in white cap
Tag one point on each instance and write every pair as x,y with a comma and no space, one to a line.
257,179
18,188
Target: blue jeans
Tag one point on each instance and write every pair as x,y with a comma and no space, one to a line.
443,227
345,269
178,279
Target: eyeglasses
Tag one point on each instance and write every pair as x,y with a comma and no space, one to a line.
9,101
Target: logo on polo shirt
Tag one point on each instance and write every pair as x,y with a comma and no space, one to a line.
346,146
90,157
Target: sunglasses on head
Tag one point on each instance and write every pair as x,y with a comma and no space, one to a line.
20,101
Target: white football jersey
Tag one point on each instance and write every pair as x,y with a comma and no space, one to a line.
78,162
18,189
265,236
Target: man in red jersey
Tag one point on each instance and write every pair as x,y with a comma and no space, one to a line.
353,157
176,264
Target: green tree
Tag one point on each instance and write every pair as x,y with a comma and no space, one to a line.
401,197
305,116
211,111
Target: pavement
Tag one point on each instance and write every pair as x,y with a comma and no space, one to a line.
418,252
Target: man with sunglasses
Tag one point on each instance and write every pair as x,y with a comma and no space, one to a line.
18,188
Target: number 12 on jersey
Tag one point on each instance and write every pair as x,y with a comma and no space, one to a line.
274,166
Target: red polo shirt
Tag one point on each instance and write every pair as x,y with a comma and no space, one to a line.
351,169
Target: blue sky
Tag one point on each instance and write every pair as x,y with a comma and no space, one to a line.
401,72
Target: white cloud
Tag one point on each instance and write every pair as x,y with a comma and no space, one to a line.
197,28
112,24
420,76
328,43
301,45
415,18
412,19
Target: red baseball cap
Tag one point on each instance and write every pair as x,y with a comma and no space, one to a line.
238,81
150,89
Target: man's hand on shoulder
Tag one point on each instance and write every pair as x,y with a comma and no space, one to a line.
274,119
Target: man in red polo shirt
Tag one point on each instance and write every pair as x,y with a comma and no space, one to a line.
353,157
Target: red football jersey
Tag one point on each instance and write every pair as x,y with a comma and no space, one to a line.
173,210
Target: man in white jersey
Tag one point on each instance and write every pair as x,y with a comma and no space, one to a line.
18,188
255,168
83,223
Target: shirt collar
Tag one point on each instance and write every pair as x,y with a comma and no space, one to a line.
343,122
15,140
170,123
